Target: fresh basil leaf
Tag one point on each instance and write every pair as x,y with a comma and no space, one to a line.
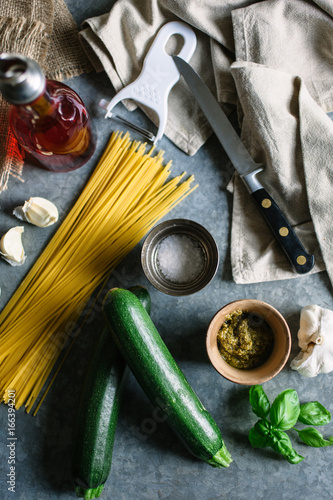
257,440
312,437
294,457
281,443
263,426
285,410
259,401
314,414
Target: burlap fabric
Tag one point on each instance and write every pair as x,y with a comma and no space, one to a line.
45,31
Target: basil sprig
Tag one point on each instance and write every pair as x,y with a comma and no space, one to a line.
283,415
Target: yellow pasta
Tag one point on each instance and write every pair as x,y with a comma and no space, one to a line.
127,193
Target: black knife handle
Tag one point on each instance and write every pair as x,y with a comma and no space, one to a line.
283,232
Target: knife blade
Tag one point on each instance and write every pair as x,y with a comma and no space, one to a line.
300,259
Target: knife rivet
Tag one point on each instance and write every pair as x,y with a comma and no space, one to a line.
301,260
284,231
266,203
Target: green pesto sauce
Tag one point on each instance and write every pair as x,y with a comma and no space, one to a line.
245,340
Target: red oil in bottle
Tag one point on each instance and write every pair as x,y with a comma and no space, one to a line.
55,129
48,119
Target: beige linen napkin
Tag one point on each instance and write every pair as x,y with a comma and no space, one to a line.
118,42
45,31
292,82
275,104
285,34
282,81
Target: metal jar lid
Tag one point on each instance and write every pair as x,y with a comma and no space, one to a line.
21,79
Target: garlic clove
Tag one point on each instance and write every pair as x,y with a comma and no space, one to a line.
315,338
11,247
38,211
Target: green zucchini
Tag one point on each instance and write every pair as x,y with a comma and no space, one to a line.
98,413
160,377
143,295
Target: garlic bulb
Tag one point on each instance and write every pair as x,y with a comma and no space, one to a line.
315,338
11,248
38,211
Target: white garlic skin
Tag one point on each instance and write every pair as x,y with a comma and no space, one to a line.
38,211
315,338
11,247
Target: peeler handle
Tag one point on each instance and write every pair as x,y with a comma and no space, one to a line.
159,74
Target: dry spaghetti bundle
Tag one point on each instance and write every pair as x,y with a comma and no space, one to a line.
126,195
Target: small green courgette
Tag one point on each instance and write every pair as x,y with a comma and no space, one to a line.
98,413
160,377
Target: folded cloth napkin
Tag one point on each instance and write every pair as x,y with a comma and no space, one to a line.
284,129
273,59
45,31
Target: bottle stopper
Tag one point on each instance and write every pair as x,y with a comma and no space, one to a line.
21,79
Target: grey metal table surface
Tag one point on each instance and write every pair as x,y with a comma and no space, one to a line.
149,461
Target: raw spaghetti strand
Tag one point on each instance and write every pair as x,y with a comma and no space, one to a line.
127,193
66,353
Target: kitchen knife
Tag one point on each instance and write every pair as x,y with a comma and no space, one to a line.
247,168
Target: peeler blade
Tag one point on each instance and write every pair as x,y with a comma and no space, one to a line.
130,125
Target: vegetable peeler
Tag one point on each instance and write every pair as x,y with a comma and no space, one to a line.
159,74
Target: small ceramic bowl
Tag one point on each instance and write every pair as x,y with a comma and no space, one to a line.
281,349
203,245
